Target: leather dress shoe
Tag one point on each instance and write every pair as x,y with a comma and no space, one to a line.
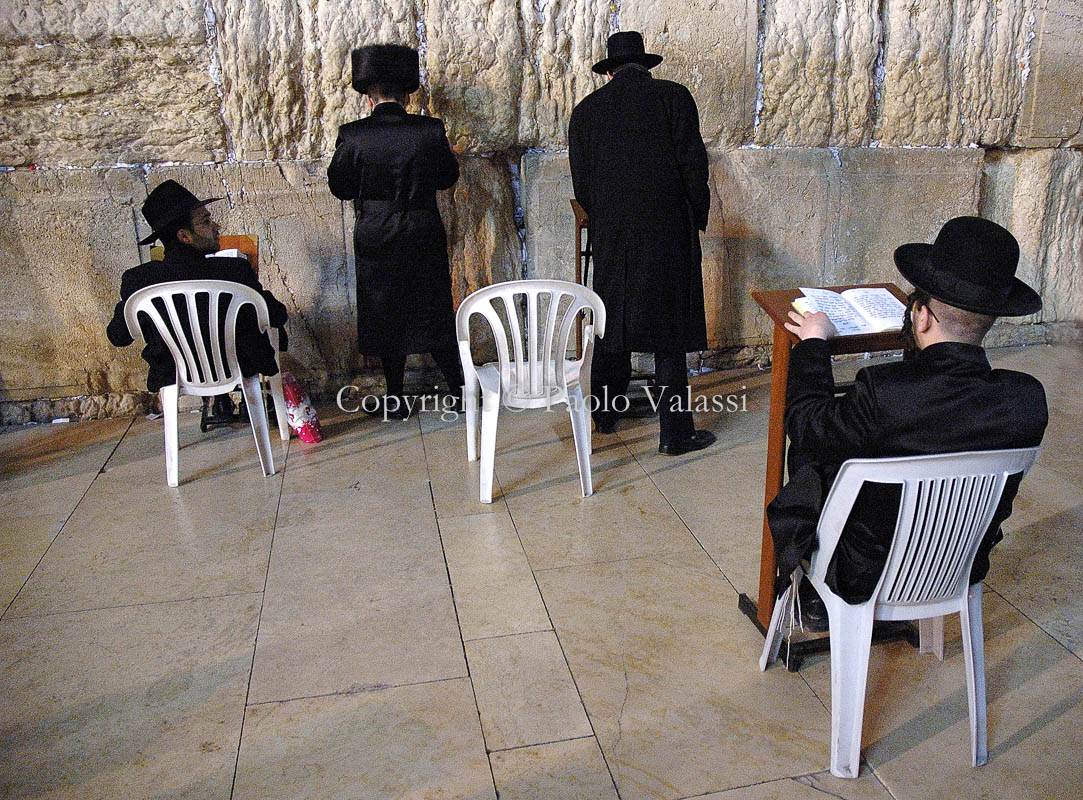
687,444
813,611
216,411
606,423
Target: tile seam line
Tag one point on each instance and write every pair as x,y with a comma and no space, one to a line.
543,744
691,533
346,693
67,519
509,635
171,601
563,653
987,588
455,606
259,617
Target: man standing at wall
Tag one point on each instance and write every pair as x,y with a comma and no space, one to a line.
639,169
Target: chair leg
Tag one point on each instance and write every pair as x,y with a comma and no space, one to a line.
257,415
471,391
581,433
168,395
490,411
931,636
974,661
851,640
279,399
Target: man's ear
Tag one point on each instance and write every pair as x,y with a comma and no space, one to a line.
184,236
923,320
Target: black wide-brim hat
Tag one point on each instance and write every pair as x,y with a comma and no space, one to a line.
388,64
626,47
971,266
166,204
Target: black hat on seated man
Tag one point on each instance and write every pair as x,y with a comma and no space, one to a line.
386,64
168,203
971,266
626,47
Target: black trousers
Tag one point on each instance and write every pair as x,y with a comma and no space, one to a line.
447,359
609,377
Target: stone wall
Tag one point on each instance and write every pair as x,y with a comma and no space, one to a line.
837,129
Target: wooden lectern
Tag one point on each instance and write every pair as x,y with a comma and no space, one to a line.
778,305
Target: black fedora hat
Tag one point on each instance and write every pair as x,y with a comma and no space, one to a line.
626,47
971,266
392,64
166,204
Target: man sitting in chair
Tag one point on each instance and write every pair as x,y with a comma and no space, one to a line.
189,235
943,397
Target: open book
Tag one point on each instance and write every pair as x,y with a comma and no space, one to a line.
229,252
861,310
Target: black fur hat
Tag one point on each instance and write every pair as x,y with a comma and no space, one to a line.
389,64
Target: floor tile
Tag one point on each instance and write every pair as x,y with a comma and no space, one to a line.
133,539
416,742
524,691
916,734
666,666
134,702
356,603
495,591
455,481
571,770
809,787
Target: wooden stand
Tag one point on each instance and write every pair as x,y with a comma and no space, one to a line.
778,304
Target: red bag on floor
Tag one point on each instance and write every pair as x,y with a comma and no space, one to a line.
300,413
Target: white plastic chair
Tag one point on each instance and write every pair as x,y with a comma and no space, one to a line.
537,375
202,373
946,506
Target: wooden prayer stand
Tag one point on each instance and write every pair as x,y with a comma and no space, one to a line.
778,304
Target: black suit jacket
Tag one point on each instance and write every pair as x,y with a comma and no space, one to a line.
182,263
639,169
391,165
946,399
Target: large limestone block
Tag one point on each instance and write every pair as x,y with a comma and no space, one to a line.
474,59
818,68
710,47
286,69
769,228
302,254
1038,196
889,196
953,71
65,238
176,21
1052,112
548,217
563,38
479,216
82,103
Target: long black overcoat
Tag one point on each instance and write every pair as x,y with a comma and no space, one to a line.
946,399
183,263
391,165
639,169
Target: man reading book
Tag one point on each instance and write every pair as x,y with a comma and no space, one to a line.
941,397
189,235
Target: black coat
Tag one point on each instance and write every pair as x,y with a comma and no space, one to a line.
946,399
639,169
182,263
391,165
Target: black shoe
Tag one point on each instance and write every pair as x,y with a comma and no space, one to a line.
813,610
390,411
218,411
689,444
605,423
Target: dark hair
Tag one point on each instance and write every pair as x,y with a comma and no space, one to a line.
388,91
168,234
964,326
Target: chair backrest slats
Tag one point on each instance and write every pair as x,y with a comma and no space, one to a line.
196,368
946,506
532,363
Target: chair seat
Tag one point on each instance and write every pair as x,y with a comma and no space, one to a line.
489,377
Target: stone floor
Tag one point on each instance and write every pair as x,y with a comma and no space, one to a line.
360,626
